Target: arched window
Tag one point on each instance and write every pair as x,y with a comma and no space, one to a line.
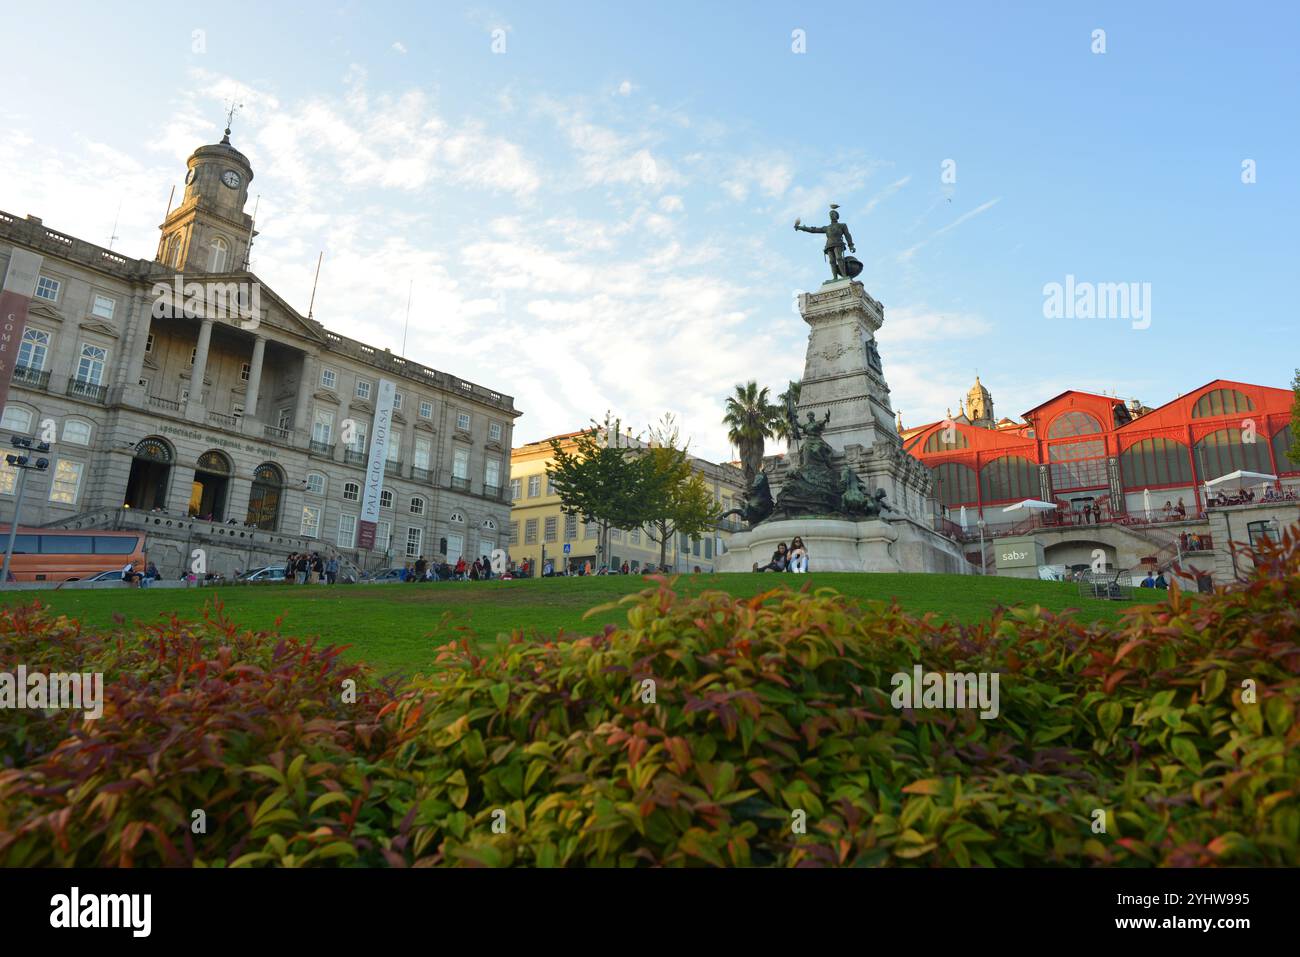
1155,462
214,462
155,450
1222,402
1282,442
1069,424
1223,451
17,419
1009,478
265,498
458,517
954,483
76,431
218,250
417,505
351,492
946,440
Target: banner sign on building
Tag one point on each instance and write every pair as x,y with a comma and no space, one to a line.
375,466
15,296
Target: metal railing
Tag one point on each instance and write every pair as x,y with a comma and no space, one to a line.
277,434
353,457
158,402
321,448
32,378
420,475
492,491
83,389
392,467
460,484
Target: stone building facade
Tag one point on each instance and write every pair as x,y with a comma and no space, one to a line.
182,395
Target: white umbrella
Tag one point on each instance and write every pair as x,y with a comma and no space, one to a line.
962,521
1146,502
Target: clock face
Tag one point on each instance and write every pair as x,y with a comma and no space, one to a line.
231,179
189,177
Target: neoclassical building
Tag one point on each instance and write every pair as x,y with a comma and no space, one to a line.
217,416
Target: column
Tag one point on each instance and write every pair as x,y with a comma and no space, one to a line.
194,409
306,378
252,424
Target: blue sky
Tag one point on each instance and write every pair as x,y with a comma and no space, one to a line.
600,216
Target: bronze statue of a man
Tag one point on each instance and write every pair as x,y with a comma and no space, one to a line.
837,235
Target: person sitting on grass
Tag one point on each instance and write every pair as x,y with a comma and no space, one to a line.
778,562
798,556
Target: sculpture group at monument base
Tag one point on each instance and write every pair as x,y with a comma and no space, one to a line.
840,545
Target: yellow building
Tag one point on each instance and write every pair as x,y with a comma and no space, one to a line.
539,530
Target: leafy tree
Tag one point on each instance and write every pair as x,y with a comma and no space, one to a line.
677,499
750,419
789,399
1293,453
602,479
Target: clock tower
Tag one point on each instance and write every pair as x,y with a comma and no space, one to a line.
209,232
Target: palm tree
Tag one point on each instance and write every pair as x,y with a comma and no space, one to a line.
750,419
789,400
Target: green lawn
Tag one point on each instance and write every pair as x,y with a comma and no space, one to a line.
396,626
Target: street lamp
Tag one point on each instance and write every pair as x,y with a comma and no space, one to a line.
24,464
983,563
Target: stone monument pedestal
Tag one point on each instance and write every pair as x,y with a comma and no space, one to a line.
849,429
842,545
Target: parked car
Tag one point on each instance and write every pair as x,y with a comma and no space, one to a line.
267,573
113,576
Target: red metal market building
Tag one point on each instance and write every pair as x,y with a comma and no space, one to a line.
1101,459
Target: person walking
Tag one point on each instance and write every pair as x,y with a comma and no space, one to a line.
300,569
332,570
315,569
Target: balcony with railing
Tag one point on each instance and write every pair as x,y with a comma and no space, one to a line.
167,405
276,434
354,457
460,484
321,448
32,378
420,475
223,420
85,389
393,467
492,491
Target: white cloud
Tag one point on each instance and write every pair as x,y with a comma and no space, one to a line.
625,88
399,47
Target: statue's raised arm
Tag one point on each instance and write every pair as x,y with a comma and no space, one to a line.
837,238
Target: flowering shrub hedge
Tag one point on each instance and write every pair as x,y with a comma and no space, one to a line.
707,731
